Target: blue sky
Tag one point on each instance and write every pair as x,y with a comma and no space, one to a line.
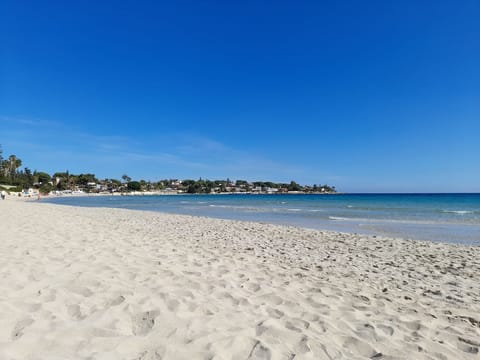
364,95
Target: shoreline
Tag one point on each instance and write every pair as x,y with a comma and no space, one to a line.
448,230
130,284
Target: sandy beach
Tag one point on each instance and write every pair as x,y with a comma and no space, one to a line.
95,283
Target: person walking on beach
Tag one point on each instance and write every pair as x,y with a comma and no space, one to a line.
3,194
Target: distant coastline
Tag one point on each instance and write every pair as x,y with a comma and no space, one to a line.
18,179
174,193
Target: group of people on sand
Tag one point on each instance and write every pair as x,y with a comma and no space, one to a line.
3,194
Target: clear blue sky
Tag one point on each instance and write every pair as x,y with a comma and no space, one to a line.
364,95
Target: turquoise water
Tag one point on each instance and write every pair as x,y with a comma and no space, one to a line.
451,218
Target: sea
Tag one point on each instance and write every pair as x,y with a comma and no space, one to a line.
453,218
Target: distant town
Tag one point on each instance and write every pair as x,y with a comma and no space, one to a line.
14,178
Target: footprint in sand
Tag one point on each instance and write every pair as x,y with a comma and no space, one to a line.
387,330
366,331
359,347
172,305
17,331
413,325
228,297
302,347
297,325
116,301
468,346
272,299
74,312
80,290
47,295
254,287
143,323
150,355
259,352
310,317
275,313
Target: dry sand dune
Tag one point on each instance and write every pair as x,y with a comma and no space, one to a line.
80,283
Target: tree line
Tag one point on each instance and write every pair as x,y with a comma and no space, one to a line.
18,179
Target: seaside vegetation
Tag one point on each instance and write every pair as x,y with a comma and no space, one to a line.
15,178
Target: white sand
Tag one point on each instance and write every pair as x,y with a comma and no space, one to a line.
80,283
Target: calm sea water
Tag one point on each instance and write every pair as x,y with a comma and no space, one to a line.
451,218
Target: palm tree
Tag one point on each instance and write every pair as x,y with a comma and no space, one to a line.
13,163
1,157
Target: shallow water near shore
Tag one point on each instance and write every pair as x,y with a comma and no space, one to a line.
453,218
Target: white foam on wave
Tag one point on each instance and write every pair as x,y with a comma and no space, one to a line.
389,221
458,212
340,218
239,207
